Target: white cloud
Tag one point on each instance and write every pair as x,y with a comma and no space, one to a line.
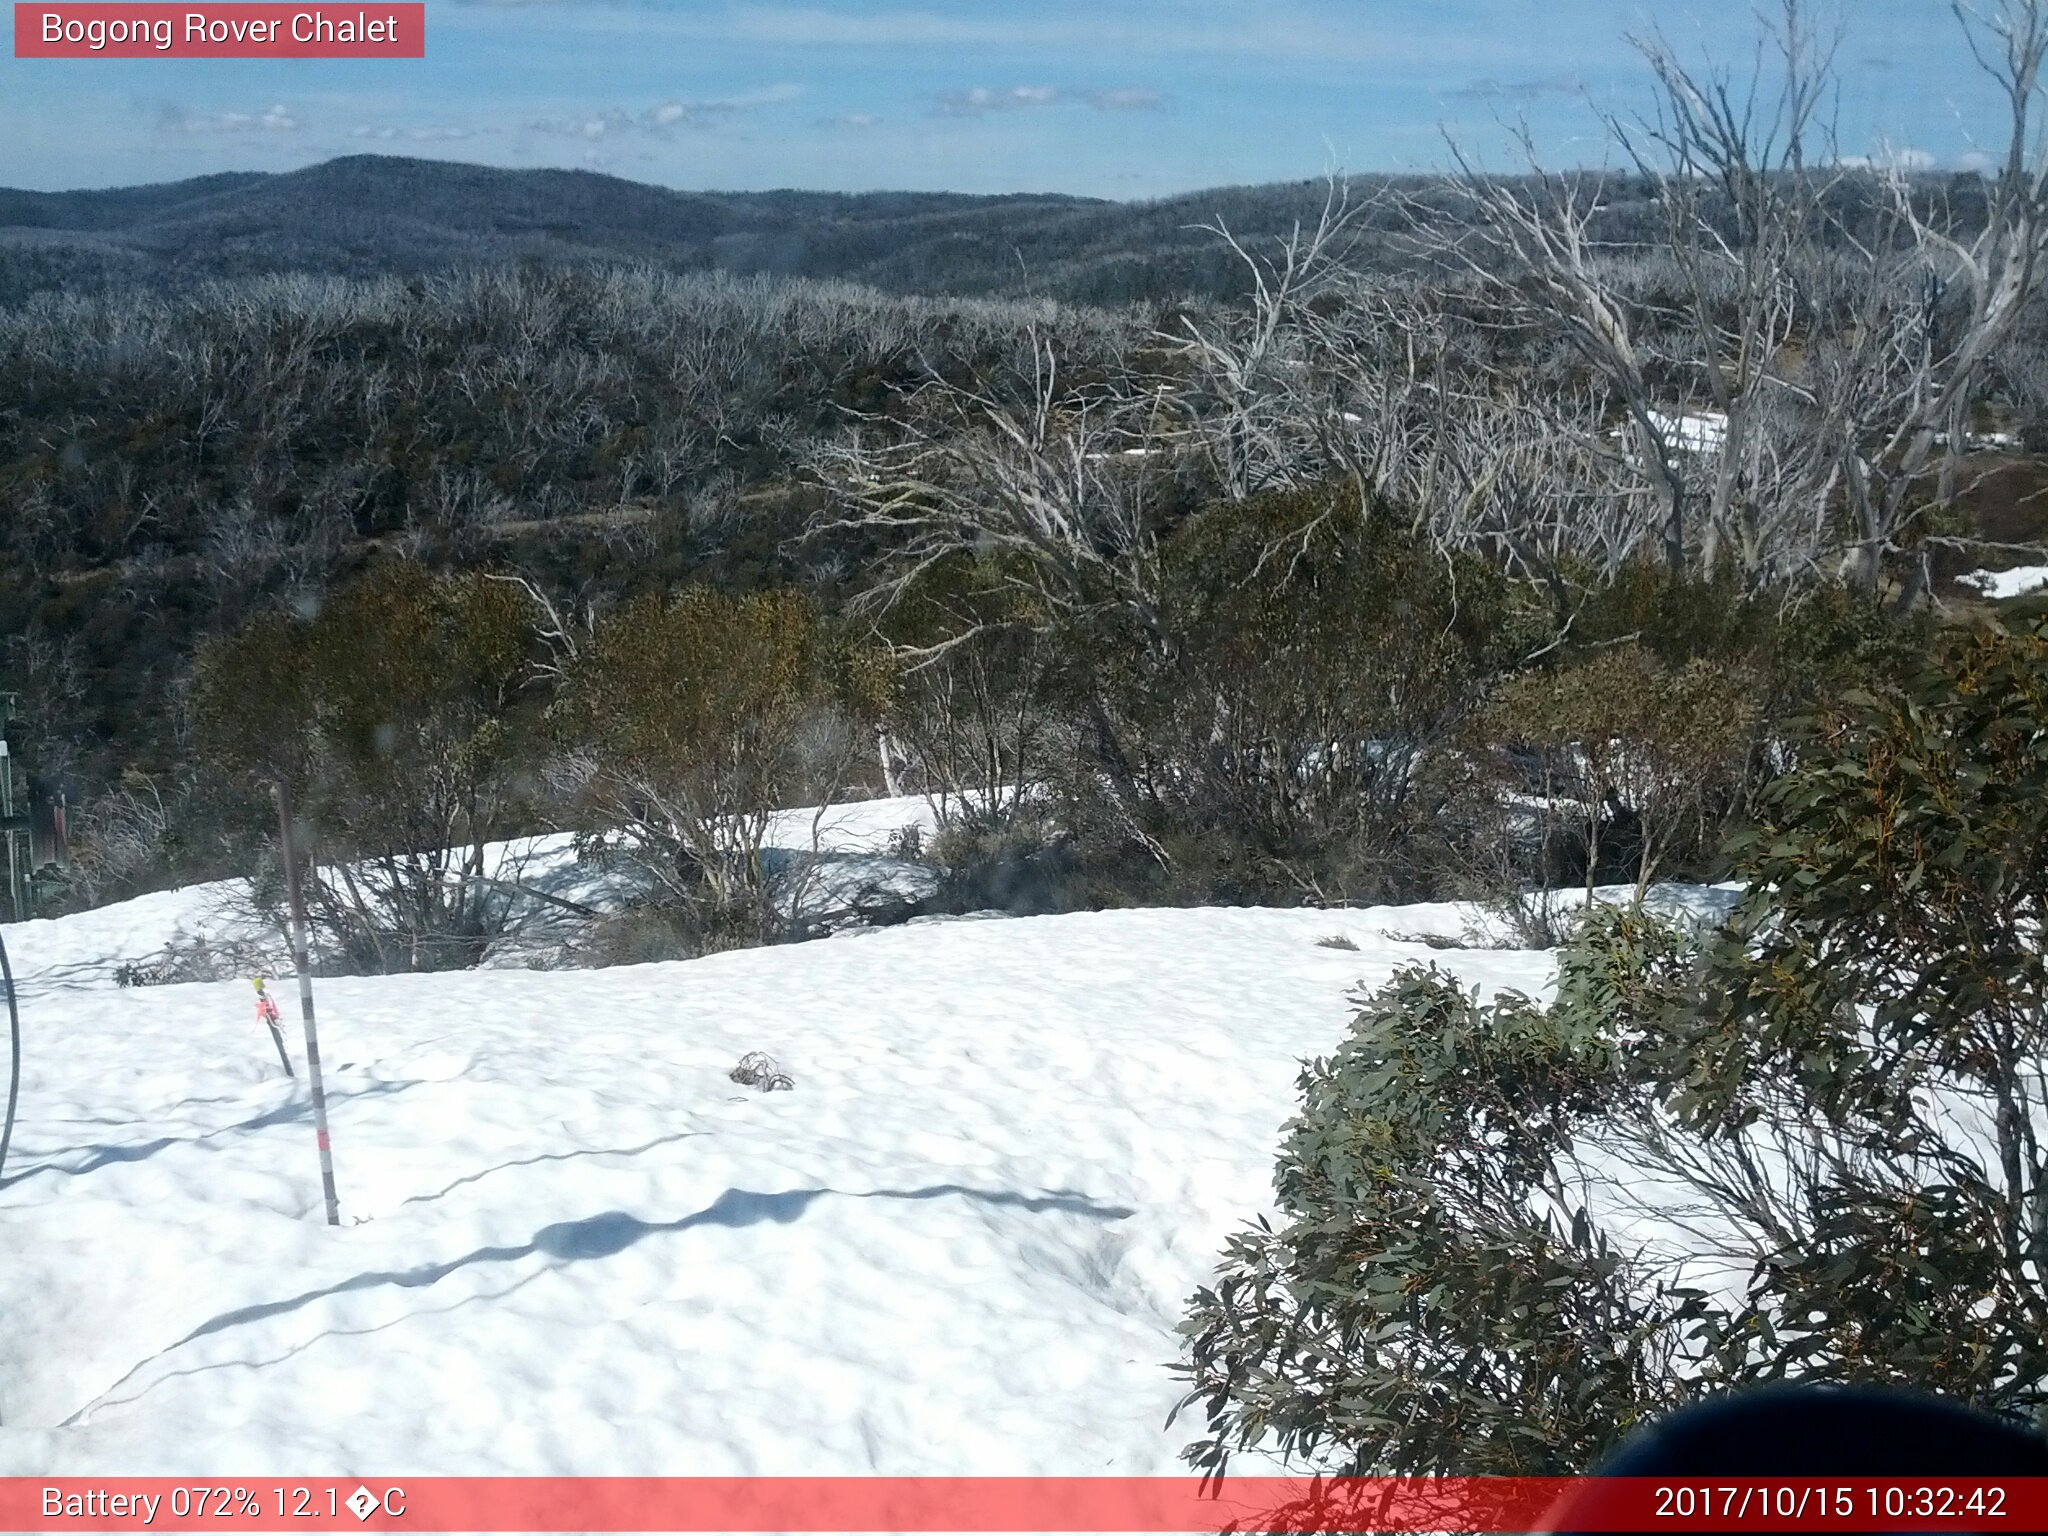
1894,158
852,122
276,118
972,103
1129,98
423,135
980,99
674,113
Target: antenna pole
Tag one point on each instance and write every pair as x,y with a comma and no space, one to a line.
13,828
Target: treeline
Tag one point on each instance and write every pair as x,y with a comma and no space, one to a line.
1317,707
368,216
367,409
1255,595
171,465
1256,598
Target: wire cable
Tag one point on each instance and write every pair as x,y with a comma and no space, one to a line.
13,1056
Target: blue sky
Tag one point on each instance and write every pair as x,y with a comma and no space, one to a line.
1110,98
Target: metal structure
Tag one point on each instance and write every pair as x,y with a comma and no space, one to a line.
34,834
14,827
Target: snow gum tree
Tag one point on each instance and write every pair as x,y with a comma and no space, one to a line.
1312,658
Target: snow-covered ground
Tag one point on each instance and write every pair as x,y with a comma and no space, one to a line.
571,1244
828,853
2000,585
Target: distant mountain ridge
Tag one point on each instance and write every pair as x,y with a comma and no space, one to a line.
370,214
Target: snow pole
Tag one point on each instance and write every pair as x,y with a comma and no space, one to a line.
266,1014
288,845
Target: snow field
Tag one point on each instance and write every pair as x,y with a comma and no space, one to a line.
571,1245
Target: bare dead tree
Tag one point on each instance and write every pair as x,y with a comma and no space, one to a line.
562,634
1530,241
1777,362
1943,298
1331,373
1039,470
1047,480
1245,369
1744,212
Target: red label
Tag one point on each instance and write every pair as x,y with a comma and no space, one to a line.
1160,1505
370,30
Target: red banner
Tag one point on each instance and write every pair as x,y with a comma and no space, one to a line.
1011,1504
367,29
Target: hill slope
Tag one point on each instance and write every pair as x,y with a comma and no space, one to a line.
369,214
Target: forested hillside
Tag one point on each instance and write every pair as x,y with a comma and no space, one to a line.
370,215
1271,535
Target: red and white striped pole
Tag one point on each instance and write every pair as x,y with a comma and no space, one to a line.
289,845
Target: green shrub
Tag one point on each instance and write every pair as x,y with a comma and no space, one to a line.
1651,754
688,722
1805,1144
1015,861
1899,882
394,715
980,690
1678,618
1434,1301
1309,660
665,930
